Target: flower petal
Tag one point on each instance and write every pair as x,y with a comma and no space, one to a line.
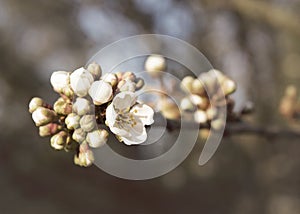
101,92
144,112
124,100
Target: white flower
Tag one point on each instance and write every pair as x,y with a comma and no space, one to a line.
128,86
127,119
97,138
81,106
60,80
101,92
81,81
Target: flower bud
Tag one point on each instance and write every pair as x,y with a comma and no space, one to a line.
200,116
88,123
169,109
95,70
128,75
209,80
187,84
59,80
139,83
197,87
110,78
218,124
228,86
62,107
218,74
155,64
211,113
186,104
72,121
71,145
68,92
201,102
81,81
79,135
49,129
119,75
82,106
34,103
97,138
128,86
42,116
101,92
85,156
59,140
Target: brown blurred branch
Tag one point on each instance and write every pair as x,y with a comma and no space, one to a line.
276,16
234,128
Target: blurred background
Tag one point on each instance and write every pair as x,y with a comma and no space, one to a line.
255,42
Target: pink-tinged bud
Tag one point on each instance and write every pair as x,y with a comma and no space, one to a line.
95,70
42,116
85,156
49,129
128,75
59,140
62,107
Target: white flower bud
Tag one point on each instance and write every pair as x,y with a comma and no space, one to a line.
81,81
88,123
59,80
35,103
79,135
197,87
187,84
95,70
59,140
110,78
200,116
228,86
82,106
211,113
155,64
128,75
218,124
42,116
72,121
128,86
186,104
101,92
97,138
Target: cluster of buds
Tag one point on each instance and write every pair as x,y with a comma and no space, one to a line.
73,120
206,95
290,103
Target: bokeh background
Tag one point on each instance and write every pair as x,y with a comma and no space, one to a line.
255,42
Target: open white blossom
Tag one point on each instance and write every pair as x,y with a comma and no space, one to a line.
81,81
101,92
127,119
60,80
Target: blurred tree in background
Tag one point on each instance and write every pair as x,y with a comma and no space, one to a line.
256,42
